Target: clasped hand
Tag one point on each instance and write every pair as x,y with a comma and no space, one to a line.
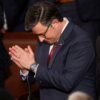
22,58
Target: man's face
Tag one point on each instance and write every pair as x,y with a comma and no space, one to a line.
44,33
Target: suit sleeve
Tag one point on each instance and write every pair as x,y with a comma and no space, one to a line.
78,61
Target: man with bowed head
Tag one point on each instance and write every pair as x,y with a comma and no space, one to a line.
64,58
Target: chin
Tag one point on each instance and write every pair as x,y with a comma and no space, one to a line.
50,42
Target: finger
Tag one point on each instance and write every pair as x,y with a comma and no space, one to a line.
30,50
13,52
15,58
10,49
26,50
18,64
19,50
10,53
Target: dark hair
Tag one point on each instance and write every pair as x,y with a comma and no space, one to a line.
42,11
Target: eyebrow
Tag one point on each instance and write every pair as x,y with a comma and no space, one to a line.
43,32
37,34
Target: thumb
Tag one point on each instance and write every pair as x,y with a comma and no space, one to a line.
30,50
26,49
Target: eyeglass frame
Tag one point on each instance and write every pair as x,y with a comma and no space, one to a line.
45,31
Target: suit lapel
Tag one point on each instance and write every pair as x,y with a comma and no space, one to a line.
57,48
45,52
61,42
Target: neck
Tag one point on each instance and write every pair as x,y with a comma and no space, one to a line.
61,26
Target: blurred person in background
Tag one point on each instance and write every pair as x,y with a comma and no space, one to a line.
4,57
78,95
15,11
5,95
84,13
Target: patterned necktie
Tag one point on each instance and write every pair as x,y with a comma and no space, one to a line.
49,57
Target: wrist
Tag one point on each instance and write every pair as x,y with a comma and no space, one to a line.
23,71
36,69
33,66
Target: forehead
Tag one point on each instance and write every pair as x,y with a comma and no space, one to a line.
39,28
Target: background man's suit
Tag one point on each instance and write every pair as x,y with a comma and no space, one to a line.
84,13
4,57
71,67
15,11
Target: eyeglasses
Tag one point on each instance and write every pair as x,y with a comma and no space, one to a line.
44,32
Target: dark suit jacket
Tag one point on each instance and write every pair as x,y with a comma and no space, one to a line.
71,67
15,11
84,13
4,57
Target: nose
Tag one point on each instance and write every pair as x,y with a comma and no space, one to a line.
41,39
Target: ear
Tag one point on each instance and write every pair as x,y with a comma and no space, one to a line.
55,23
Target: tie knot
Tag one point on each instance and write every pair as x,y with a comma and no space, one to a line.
55,43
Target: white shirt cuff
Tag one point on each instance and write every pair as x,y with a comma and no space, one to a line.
24,75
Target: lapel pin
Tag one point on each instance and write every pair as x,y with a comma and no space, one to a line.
60,44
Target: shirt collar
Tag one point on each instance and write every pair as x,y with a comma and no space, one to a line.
61,32
64,25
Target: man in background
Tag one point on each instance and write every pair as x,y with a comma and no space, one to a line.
4,57
84,13
79,96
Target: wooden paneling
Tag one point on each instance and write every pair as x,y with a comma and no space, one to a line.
13,83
